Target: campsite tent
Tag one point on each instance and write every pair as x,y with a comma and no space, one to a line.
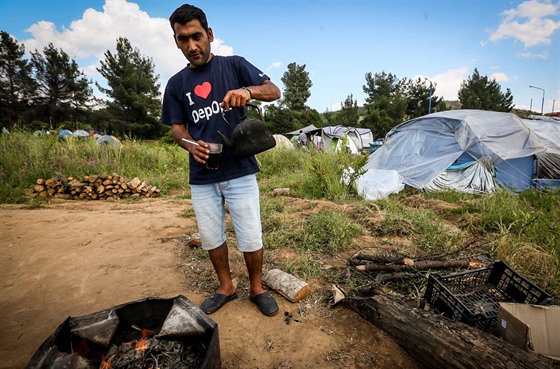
306,130
109,140
64,133
361,137
470,151
282,142
80,133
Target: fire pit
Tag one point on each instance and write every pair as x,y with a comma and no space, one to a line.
148,333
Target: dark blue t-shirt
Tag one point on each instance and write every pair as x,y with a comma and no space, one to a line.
192,97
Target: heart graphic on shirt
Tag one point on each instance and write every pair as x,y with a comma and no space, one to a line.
203,90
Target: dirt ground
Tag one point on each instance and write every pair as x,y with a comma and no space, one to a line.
71,258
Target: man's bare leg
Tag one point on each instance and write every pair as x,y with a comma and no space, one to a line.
220,260
254,262
257,294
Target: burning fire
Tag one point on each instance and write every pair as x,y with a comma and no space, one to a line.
143,343
106,364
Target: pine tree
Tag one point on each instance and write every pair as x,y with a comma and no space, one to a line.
134,104
63,90
17,86
386,102
419,93
297,87
479,92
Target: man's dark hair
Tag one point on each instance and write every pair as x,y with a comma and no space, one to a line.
186,13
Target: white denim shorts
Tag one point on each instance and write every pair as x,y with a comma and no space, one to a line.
241,195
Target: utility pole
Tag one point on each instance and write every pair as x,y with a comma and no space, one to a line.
430,99
542,106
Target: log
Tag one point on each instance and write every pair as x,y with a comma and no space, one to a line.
436,341
378,258
38,188
281,192
419,265
91,187
292,288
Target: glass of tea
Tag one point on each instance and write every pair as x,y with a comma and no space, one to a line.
214,157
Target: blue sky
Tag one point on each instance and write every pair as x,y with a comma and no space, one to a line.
515,42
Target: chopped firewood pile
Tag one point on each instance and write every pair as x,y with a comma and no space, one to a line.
95,187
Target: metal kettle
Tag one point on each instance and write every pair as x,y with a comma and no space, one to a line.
249,137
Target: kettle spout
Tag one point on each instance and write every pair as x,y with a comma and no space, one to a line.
226,139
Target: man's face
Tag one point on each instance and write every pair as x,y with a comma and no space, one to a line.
194,42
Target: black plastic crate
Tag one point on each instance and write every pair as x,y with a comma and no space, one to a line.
473,297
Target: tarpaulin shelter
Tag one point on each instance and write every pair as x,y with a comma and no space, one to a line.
307,130
282,142
471,151
80,133
330,136
110,140
64,133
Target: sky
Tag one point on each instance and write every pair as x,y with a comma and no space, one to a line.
517,43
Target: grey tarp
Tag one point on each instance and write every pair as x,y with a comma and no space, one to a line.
422,149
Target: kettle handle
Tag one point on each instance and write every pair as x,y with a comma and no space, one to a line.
247,104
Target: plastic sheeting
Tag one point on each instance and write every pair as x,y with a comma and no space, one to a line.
376,184
471,178
423,148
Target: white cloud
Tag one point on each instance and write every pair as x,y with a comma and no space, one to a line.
528,55
275,65
529,23
500,77
88,38
448,82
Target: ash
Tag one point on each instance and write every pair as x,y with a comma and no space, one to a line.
160,354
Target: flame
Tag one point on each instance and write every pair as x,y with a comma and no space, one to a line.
106,364
143,343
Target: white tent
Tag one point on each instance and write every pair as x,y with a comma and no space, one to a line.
80,133
361,137
470,151
282,142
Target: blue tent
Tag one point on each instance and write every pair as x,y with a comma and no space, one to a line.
110,140
64,133
471,151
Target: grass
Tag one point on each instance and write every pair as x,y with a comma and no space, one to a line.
521,229
26,158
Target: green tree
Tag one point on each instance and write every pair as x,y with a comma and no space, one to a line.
348,113
291,112
279,120
478,92
297,87
386,102
17,86
418,93
134,105
63,90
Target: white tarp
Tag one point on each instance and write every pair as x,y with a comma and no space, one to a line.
377,184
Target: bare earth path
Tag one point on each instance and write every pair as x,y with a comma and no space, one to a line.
74,258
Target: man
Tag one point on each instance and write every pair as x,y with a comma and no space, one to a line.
302,137
193,103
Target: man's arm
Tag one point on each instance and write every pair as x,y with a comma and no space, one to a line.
200,152
267,91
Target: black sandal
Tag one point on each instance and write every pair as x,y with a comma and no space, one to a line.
265,303
216,301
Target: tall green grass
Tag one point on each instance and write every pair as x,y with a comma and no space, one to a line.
521,229
26,158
